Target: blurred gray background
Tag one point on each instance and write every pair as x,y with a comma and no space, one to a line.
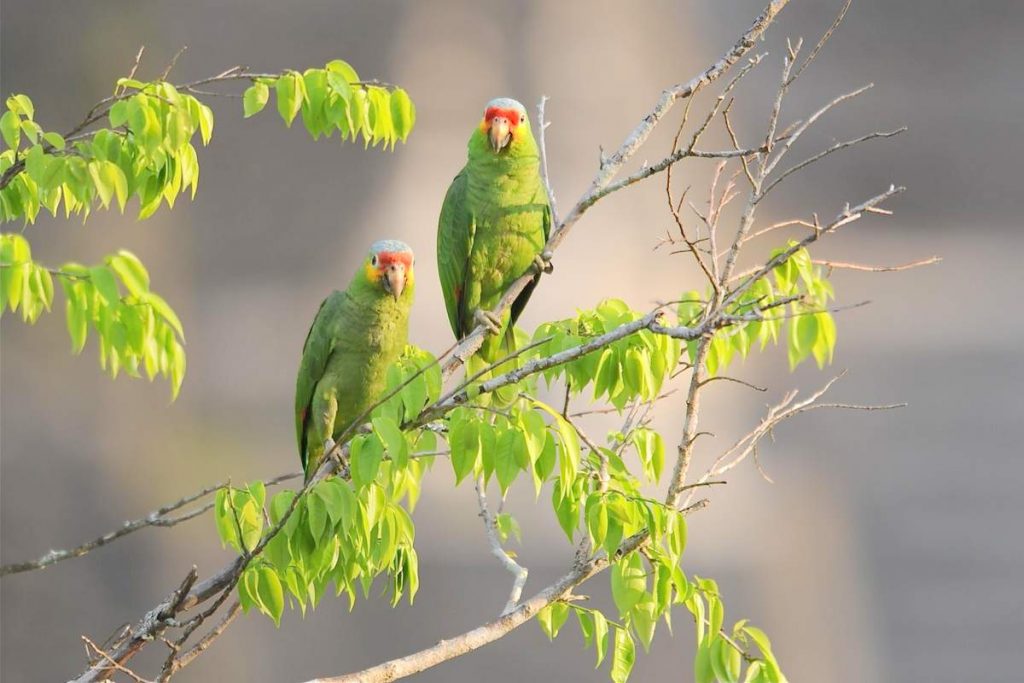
884,551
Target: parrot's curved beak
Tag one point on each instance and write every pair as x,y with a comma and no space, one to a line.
499,133
394,279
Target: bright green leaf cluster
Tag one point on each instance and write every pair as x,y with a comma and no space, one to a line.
136,329
345,532
334,99
23,283
145,153
719,657
809,327
632,368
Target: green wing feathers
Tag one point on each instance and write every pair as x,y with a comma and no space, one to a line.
320,343
454,244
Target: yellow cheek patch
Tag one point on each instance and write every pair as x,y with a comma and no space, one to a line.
483,125
371,271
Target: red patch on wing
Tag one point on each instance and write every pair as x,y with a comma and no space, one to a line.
511,114
303,418
458,294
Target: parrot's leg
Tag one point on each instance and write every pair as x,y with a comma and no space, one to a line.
542,263
488,319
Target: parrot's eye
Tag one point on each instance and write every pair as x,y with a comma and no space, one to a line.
373,260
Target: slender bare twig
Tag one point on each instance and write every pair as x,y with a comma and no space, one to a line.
104,655
776,414
518,572
181,661
135,67
157,518
545,175
876,269
824,153
821,43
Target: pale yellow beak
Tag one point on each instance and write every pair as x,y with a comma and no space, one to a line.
499,133
394,279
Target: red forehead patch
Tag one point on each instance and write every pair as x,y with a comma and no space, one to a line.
511,114
386,258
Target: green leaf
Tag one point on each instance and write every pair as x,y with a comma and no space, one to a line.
131,271
251,522
597,519
289,97
506,459
403,113
725,661
567,508
629,583
508,526
161,308
393,439
552,618
77,324
806,332
279,505
545,462
343,69
224,520
104,282
21,104
600,636
316,515
270,594
464,440
702,669
586,619
205,123
366,460
10,128
623,656
825,343
255,98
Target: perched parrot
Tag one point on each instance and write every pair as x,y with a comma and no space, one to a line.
494,223
355,336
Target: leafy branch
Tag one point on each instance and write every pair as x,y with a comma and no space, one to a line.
349,524
146,151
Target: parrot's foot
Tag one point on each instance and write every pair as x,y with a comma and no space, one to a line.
329,445
542,263
488,319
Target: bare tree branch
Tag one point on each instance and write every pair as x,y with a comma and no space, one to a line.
518,572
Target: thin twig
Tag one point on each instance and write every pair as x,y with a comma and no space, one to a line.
518,572
876,269
157,518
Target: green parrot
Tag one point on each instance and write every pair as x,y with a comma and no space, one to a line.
355,336
494,223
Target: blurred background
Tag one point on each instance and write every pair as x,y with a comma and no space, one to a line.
885,549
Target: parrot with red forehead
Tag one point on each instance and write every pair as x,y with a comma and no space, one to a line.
355,336
494,223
